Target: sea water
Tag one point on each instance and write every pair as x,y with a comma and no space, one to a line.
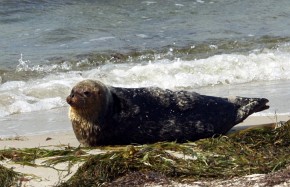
214,47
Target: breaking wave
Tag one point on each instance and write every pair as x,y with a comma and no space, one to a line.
226,69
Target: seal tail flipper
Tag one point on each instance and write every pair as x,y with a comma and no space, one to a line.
248,106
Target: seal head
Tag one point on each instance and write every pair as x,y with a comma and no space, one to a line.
90,106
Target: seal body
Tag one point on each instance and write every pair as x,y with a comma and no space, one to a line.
103,115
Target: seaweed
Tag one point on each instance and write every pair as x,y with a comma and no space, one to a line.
28,156
254,150
263,150
8,177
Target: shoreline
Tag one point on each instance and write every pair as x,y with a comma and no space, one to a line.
67,138
47,141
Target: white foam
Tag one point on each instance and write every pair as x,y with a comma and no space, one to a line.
21,106
215,70
25,65
35,95
226,69
11,85
102,38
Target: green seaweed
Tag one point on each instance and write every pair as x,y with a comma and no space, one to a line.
254,150
28,156
8,177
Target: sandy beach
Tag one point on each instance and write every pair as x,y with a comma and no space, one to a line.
44,176
62,139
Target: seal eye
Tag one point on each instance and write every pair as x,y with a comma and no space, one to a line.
87,93
72,94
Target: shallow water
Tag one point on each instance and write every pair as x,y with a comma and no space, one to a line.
214,47
33,123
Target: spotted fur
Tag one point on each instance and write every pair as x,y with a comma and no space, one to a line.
103,115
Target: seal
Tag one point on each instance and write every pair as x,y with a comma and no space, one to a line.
105,115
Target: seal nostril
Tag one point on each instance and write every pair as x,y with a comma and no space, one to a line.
68,99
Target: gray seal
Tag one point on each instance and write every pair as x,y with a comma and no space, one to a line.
105,115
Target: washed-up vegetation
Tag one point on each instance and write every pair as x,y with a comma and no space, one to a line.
29,155
250,151
254,150
8,177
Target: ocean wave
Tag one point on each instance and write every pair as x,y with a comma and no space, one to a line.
36,95
25,65
218,70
